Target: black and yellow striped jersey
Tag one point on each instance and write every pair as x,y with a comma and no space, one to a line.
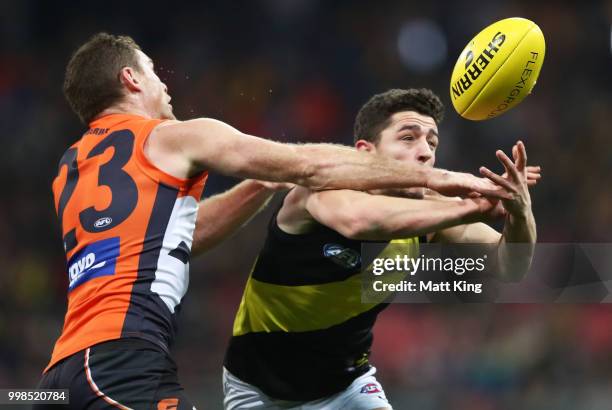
301,331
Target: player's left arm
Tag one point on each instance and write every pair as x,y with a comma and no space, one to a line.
221,215
516,244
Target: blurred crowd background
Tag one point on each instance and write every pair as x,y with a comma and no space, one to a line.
298,70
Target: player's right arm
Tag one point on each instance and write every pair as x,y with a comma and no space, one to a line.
185,148
362,216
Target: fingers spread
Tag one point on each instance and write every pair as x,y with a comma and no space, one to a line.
533,175
533,168
502,182
508,164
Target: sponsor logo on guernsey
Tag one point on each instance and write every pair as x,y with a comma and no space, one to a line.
345,257
370,388
95,260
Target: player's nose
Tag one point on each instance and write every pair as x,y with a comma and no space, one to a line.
423,158
424,152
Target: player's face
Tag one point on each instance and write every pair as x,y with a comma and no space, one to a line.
156,96
410,137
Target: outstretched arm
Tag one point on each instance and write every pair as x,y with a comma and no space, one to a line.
185,148
515,246
520,226
362,216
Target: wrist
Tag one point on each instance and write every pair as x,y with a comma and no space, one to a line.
521,215
471,211
433,177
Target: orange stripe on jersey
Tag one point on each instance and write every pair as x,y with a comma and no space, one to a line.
127,229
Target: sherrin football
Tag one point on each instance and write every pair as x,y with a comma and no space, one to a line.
497,69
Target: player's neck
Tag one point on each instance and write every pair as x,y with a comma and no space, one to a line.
125,108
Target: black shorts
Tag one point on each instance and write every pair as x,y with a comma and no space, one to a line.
124,373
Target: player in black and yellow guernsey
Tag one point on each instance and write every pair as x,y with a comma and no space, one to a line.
302,337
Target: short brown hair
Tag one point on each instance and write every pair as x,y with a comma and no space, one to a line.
91,83
374,115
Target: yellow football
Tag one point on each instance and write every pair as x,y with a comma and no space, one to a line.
497,69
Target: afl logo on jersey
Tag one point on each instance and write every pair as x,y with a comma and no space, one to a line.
102,222
370,388
345,257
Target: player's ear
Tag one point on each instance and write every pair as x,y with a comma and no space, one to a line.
363,145
129,79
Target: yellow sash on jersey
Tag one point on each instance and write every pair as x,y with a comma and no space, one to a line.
267,307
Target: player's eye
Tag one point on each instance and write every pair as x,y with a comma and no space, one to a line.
433,144
407,138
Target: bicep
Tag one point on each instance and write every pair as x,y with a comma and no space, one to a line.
214,145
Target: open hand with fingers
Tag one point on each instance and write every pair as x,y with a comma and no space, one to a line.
516,180
534,174
466,185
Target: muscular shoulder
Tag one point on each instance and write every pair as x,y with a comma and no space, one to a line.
179,135
163,148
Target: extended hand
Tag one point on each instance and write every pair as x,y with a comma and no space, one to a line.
534,173
464,185
515,181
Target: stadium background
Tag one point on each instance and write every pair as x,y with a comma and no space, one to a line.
298,70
